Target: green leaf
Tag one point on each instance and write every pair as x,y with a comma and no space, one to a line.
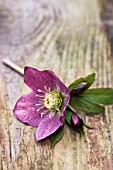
57,136
79,103
75,83
89,80
68,116
98,95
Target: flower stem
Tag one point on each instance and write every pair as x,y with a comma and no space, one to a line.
71,108
13,66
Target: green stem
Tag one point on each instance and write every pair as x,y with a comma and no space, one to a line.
71,108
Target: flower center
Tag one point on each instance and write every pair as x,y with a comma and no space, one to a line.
53,101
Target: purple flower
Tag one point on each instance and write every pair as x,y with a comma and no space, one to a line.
76,120
45,106
79,122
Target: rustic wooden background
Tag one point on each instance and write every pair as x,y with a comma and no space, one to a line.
73,38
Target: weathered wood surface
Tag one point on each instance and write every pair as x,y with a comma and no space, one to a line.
73,38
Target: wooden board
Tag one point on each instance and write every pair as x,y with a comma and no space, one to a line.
73,38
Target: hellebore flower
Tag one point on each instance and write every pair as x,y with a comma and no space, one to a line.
45,106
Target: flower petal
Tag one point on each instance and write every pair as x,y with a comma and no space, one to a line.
48,126
59,84
43,80
75,120
29,109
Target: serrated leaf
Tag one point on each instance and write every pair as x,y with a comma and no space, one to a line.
79,103
89,80
99,95
68,116
57,136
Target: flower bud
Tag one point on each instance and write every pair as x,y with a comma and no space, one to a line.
77,90
76,120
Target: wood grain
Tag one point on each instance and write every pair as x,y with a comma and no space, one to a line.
72,38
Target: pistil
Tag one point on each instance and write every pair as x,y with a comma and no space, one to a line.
53,101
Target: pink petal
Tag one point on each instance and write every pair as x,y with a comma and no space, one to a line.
26,110
76,120
48,126
43,80
59,84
